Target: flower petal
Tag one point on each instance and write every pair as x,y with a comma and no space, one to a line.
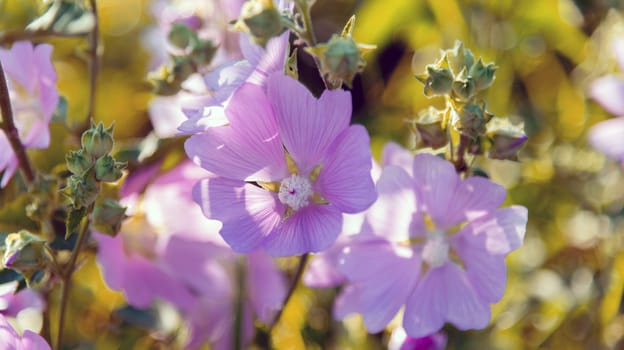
386,218
486,272
504,229
270,60
394,154
608,136
384,274
308,126
250,148
310,229
436,181
266,286
19,64
345,179
347,302
608,91
248,212
464,307
474,197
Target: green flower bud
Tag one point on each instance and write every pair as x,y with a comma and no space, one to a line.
459,58
167,79
483,76
203,53
438,81
82,191
430,126
107,170
340,59
261,20
78,162
463,86
108,215
470,120
507,139
23,252
97,141
181,36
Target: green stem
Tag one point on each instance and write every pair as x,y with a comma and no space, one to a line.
66,281
93,58
240,301
298,275
7,123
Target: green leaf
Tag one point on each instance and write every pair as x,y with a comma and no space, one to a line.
74,219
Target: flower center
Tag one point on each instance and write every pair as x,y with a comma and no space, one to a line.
436,250
295,191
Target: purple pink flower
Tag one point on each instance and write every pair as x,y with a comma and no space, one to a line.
287,166
168,250
32,90
439,253
11,340
608,91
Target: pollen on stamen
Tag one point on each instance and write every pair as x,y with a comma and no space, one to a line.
295,191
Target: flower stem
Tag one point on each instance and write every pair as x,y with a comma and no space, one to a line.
66,281
93,58
7,124
460,161
300,269
240,303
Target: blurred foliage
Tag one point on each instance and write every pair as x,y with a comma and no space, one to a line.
565,285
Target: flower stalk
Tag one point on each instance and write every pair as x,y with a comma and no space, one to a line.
7,124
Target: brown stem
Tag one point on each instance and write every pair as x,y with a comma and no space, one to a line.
94,61
66,281
460,161
13,36
300,269
7,124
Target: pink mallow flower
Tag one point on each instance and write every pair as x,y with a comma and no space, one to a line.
32,90
168,250
436,245
288,165
608,91
11,340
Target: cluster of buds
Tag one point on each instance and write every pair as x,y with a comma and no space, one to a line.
188,55
340,58
90,166
461,78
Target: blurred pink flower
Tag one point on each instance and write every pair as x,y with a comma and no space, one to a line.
299,210
440,252
11,340
608,91
32,90
168,250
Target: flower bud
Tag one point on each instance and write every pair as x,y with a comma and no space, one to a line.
340,58
459,58
463,86
430,127
202,53
97,141
181,36
107,170
108,215
507,139
483,76
261,20
82,191
23,252
438,81
470,120
78,162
